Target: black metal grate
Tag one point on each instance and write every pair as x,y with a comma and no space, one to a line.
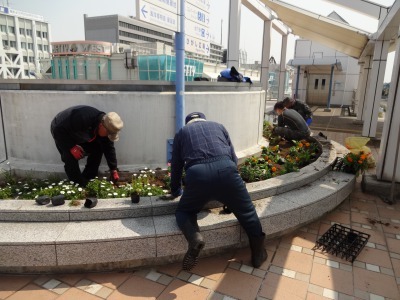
343,242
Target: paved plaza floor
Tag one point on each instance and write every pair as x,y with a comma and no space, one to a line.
293,269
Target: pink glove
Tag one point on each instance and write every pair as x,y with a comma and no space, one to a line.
114,177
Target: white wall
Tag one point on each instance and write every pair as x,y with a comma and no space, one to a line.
149,120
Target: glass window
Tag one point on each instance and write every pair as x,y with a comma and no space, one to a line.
13,44
25,59
31,59
316,84
38,34
26,73
44,35
3,28
23,45
11,29
323,84
45,47
30,46
5,43
29,32
22,31
40,47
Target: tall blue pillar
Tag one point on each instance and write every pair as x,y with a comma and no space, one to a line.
296,95
180,70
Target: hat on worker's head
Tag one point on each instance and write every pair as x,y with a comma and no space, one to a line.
113,123
193,116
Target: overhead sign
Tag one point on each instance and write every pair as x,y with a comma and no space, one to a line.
22,14
196,45
202,4
196,30
162,13
196,14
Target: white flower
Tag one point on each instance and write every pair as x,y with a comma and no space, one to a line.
149,188
135,175
19,182
69,192
165,191
80,189
150,194
153,172
50,187
8,184
17,190
115,194
62,192
33,189
73,192
107,189
145,176
19,193
60,183
53,183
36,196
122,195
26,187
153,185
142,171
146,168
109,194
105,178
71,182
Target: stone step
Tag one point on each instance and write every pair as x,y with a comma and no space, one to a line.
106,209
74,246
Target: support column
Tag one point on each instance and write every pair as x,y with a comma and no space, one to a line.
328,105
282,70
232,57
390,135
266,53
362,87
374,88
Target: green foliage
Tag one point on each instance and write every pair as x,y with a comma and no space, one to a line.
142,184
102,188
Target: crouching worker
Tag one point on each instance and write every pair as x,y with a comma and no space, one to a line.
302,108
291,125
203,148
85,131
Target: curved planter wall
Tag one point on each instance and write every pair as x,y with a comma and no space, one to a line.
149,121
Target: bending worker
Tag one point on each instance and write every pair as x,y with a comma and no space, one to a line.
83,130
203,148
302,108
291,125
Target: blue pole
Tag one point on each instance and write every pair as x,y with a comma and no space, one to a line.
180,67
297,82
330,88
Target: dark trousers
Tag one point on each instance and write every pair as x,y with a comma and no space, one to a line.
218,180
290,134
71,165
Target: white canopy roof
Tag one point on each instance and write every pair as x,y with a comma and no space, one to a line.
332,33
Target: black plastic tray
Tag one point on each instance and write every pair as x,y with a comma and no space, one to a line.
343,242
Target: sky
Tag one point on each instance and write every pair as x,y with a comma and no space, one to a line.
66,19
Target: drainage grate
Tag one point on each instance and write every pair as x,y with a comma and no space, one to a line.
343,242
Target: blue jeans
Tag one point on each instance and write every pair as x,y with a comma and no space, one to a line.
217,180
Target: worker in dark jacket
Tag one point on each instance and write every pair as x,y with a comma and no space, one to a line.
83,130
291,125
302,108
204,149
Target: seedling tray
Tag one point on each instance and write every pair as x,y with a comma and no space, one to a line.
342,242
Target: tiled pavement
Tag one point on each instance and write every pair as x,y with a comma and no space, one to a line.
293,269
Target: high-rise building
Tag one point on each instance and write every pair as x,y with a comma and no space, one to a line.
25,41
129,30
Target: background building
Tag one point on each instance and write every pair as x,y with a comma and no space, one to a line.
317,66
130,31
25,40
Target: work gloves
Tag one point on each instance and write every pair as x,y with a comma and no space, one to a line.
77,152
114,177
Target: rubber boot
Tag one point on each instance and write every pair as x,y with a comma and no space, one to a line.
196,244
258,253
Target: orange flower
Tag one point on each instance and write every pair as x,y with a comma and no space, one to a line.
363,157
300,145
360,161
273,169
297,159
349,159
270,161
266,157
307,145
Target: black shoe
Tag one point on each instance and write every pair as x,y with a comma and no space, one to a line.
192,255
258,253
322,135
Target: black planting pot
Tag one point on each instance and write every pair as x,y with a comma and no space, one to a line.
43,200
90,202
135,198
58,200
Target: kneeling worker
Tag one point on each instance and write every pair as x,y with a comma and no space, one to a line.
291,125
302,108
83,130
203,148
